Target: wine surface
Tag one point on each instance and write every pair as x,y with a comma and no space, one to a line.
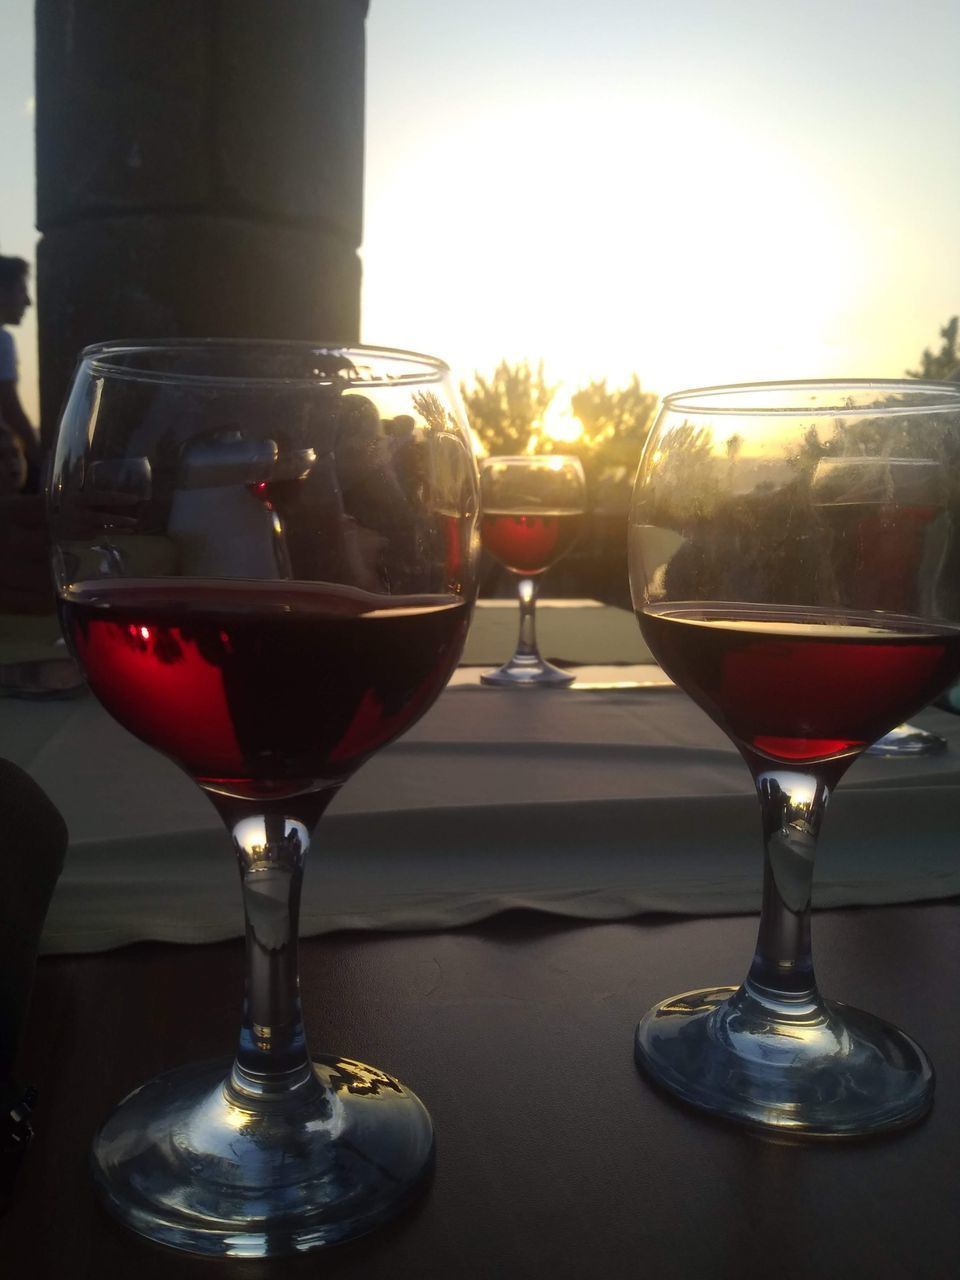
262,688
530,544
801,685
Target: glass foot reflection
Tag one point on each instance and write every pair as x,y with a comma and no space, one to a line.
908,740
530,672
189,1161
816,1068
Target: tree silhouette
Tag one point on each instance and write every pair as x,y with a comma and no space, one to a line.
506,410
946,363
615,424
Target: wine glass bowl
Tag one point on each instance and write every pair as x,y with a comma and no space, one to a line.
533,511
266,558
793,556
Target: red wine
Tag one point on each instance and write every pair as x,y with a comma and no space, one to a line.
262,688
801,685
530,544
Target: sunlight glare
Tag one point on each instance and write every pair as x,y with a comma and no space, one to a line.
559,425
705,253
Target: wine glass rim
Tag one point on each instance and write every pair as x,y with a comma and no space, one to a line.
735,398
104,359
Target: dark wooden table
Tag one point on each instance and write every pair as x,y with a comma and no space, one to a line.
555,1158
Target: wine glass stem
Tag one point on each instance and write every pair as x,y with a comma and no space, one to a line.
792,805
272,1057
527,589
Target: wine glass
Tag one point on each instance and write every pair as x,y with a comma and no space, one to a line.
756,578
533,511
265,556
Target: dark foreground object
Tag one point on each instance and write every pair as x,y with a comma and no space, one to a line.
555,1157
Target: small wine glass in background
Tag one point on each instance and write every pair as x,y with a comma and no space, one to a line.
778,586
266,558
881,509
533,509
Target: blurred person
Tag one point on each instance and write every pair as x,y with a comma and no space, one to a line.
13,465
14,300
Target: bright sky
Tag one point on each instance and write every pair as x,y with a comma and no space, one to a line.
701,191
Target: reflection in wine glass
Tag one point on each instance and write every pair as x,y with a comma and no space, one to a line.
881,508
794,557
533,511
267,583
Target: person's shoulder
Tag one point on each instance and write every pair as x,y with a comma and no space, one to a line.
8,357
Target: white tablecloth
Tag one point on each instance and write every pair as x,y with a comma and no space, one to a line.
590,804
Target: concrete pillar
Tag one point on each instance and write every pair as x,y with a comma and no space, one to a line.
199,173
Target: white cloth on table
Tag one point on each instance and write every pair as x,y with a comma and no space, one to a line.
589,804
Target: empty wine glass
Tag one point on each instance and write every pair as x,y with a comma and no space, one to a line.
795,567
265,556
533,511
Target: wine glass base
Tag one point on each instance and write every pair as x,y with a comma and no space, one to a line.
907,740
824,1070
534,673
187,1161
